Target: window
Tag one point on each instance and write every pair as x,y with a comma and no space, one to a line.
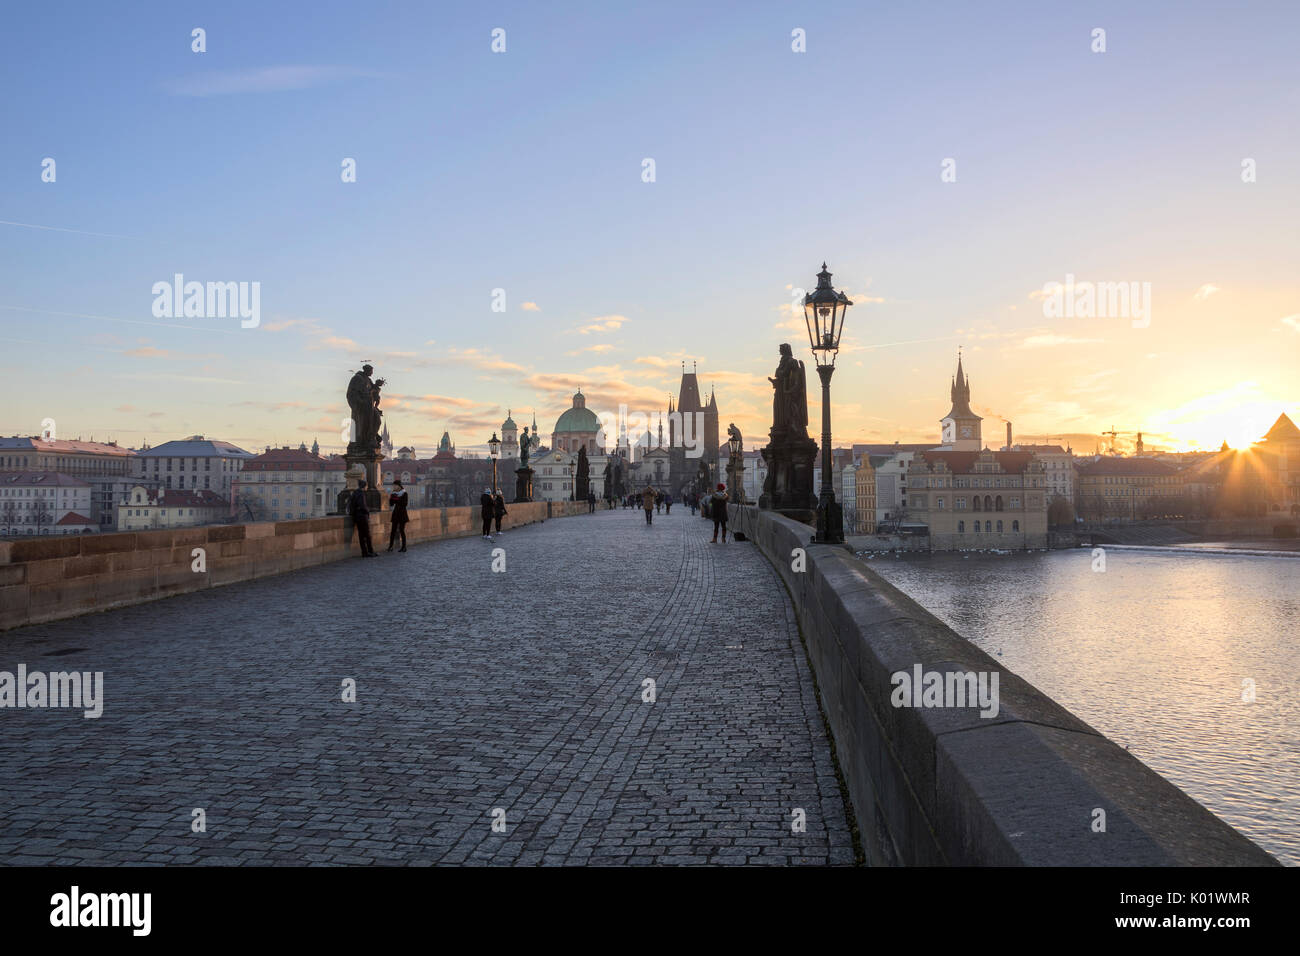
988,526
977,527
999,527
961,527
1015,526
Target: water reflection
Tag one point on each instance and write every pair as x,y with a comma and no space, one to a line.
1154,653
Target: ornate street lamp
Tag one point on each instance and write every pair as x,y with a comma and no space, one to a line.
736,465
494,452
823,311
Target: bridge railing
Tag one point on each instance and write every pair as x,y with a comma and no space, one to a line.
943,785
45,579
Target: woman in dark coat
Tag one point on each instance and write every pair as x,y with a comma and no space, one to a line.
487,508
499,510
397,504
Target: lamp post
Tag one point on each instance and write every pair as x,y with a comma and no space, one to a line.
823,312
736,466
494,452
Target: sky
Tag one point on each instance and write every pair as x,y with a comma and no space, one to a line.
524,171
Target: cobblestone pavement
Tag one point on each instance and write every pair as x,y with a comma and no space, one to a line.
476,691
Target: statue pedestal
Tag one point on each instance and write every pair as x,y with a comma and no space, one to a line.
789,485
367,460
523,484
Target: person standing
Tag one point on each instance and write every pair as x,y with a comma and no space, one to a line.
691,501
668,503
591,501
360,512
487,507
648,502
499,510
718,509
397,505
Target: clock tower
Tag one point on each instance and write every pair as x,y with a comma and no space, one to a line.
961,426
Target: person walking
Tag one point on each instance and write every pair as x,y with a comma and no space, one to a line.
668,503
692,501
487,507
499,510
397,501
360,512
659,501
648,503
718,509
591,501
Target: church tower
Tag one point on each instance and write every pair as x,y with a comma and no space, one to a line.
961,426
509,437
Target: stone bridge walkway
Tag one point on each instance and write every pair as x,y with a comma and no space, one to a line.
476,691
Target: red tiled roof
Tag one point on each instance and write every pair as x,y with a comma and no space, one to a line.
291,459
185,498
963,462
1283,430
1126,466
73,518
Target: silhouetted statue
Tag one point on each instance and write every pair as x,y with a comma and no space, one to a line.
525,443
363,399
790,396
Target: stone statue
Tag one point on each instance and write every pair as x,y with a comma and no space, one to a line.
525,443
734,432
790,452
790,395
363,400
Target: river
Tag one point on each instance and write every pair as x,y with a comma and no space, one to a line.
1156,652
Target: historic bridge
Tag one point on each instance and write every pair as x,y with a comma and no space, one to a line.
587,689
476,691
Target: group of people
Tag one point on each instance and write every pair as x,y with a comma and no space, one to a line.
712,506
658,499
360,512
492,508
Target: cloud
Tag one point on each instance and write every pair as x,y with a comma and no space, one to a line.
1204,292
147,351
1050,340
598,347
126,408
531,307
1292,322
267,79
603,323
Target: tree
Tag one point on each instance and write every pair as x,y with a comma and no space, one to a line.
1059,512
584,475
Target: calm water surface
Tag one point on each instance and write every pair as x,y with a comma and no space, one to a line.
1152,652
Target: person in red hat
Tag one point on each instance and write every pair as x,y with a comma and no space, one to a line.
718,511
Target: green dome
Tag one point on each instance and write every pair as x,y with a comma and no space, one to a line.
578,418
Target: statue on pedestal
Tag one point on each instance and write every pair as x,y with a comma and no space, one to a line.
524,474
790,453
363,450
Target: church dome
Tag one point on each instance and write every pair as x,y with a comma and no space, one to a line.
579,418
509,423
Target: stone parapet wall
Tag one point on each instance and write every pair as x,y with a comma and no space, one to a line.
45,579
945,786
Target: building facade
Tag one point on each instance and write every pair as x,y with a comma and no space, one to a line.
150,508
286,483
1119,490
193,464
979,500
109,469
44,502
